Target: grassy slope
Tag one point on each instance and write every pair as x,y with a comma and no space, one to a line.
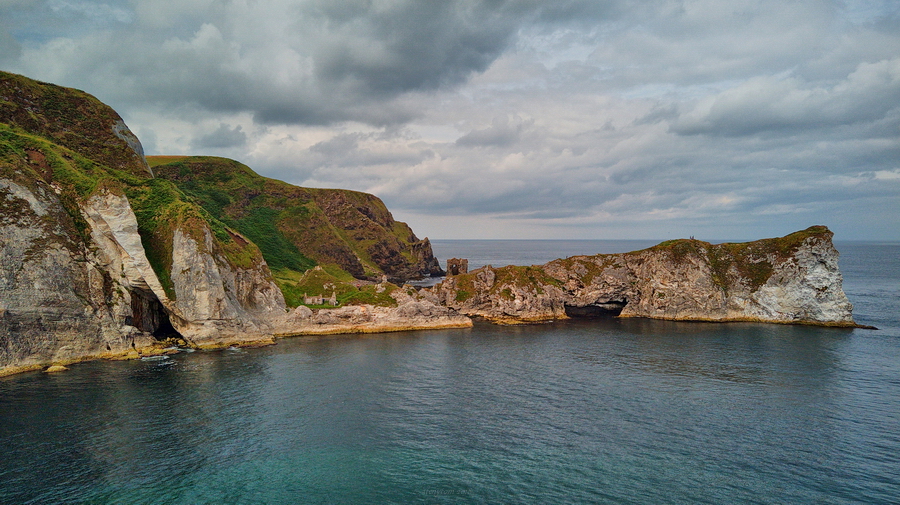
51,135
296,228
64,138
69,118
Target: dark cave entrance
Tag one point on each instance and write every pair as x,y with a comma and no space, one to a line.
596,310
149,315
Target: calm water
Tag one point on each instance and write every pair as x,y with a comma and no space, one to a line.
613,411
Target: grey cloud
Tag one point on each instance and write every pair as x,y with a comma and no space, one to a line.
338,145
769,104
351,151
659,114
501,133
386,49
10,49
314,62
223,136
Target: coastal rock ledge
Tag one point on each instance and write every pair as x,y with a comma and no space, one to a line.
793,279
104,257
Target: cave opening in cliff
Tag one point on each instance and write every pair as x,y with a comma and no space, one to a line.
596,310
149,315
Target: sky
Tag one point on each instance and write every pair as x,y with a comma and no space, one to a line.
564,119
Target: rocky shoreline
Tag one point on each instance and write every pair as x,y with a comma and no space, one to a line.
790,280
100,258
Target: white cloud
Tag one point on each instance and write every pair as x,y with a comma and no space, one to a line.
641,118
767,103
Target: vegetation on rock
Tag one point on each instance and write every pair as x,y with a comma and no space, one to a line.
73,143
329,280
749,262
298,228
72,119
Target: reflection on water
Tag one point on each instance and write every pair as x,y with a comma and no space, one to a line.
577,411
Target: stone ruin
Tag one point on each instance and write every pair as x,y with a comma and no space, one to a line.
320,300
457,266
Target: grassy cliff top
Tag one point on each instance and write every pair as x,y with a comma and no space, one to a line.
782,246
296,228
68,142
70,118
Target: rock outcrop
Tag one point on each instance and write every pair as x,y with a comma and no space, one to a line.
411,313
793,279
60,298
100,259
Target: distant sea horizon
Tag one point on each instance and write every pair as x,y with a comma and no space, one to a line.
524,252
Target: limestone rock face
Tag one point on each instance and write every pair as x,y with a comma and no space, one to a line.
67,297
792,279
60,301
806,288
216,300
114,230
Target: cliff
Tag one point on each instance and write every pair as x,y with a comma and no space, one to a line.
297,228
72,119
792,279
99,258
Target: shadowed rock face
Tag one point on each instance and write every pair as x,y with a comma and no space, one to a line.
792,279
58,299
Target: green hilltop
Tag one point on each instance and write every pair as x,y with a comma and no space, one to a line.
67,141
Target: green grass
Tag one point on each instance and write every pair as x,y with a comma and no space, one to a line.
749,262
295,227
324,281
258,225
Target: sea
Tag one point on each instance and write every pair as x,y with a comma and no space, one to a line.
618,411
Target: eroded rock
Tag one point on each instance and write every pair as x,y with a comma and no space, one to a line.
793,279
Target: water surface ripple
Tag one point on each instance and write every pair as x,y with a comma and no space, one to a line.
610,411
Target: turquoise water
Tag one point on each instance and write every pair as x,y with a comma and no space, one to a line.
609,411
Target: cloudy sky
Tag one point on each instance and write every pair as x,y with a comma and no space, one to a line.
721,119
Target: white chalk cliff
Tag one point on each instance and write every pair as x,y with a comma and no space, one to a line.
792,279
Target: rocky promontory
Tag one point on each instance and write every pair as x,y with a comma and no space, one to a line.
792,279
104,255
100,258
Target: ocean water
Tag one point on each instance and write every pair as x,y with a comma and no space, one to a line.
587,411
